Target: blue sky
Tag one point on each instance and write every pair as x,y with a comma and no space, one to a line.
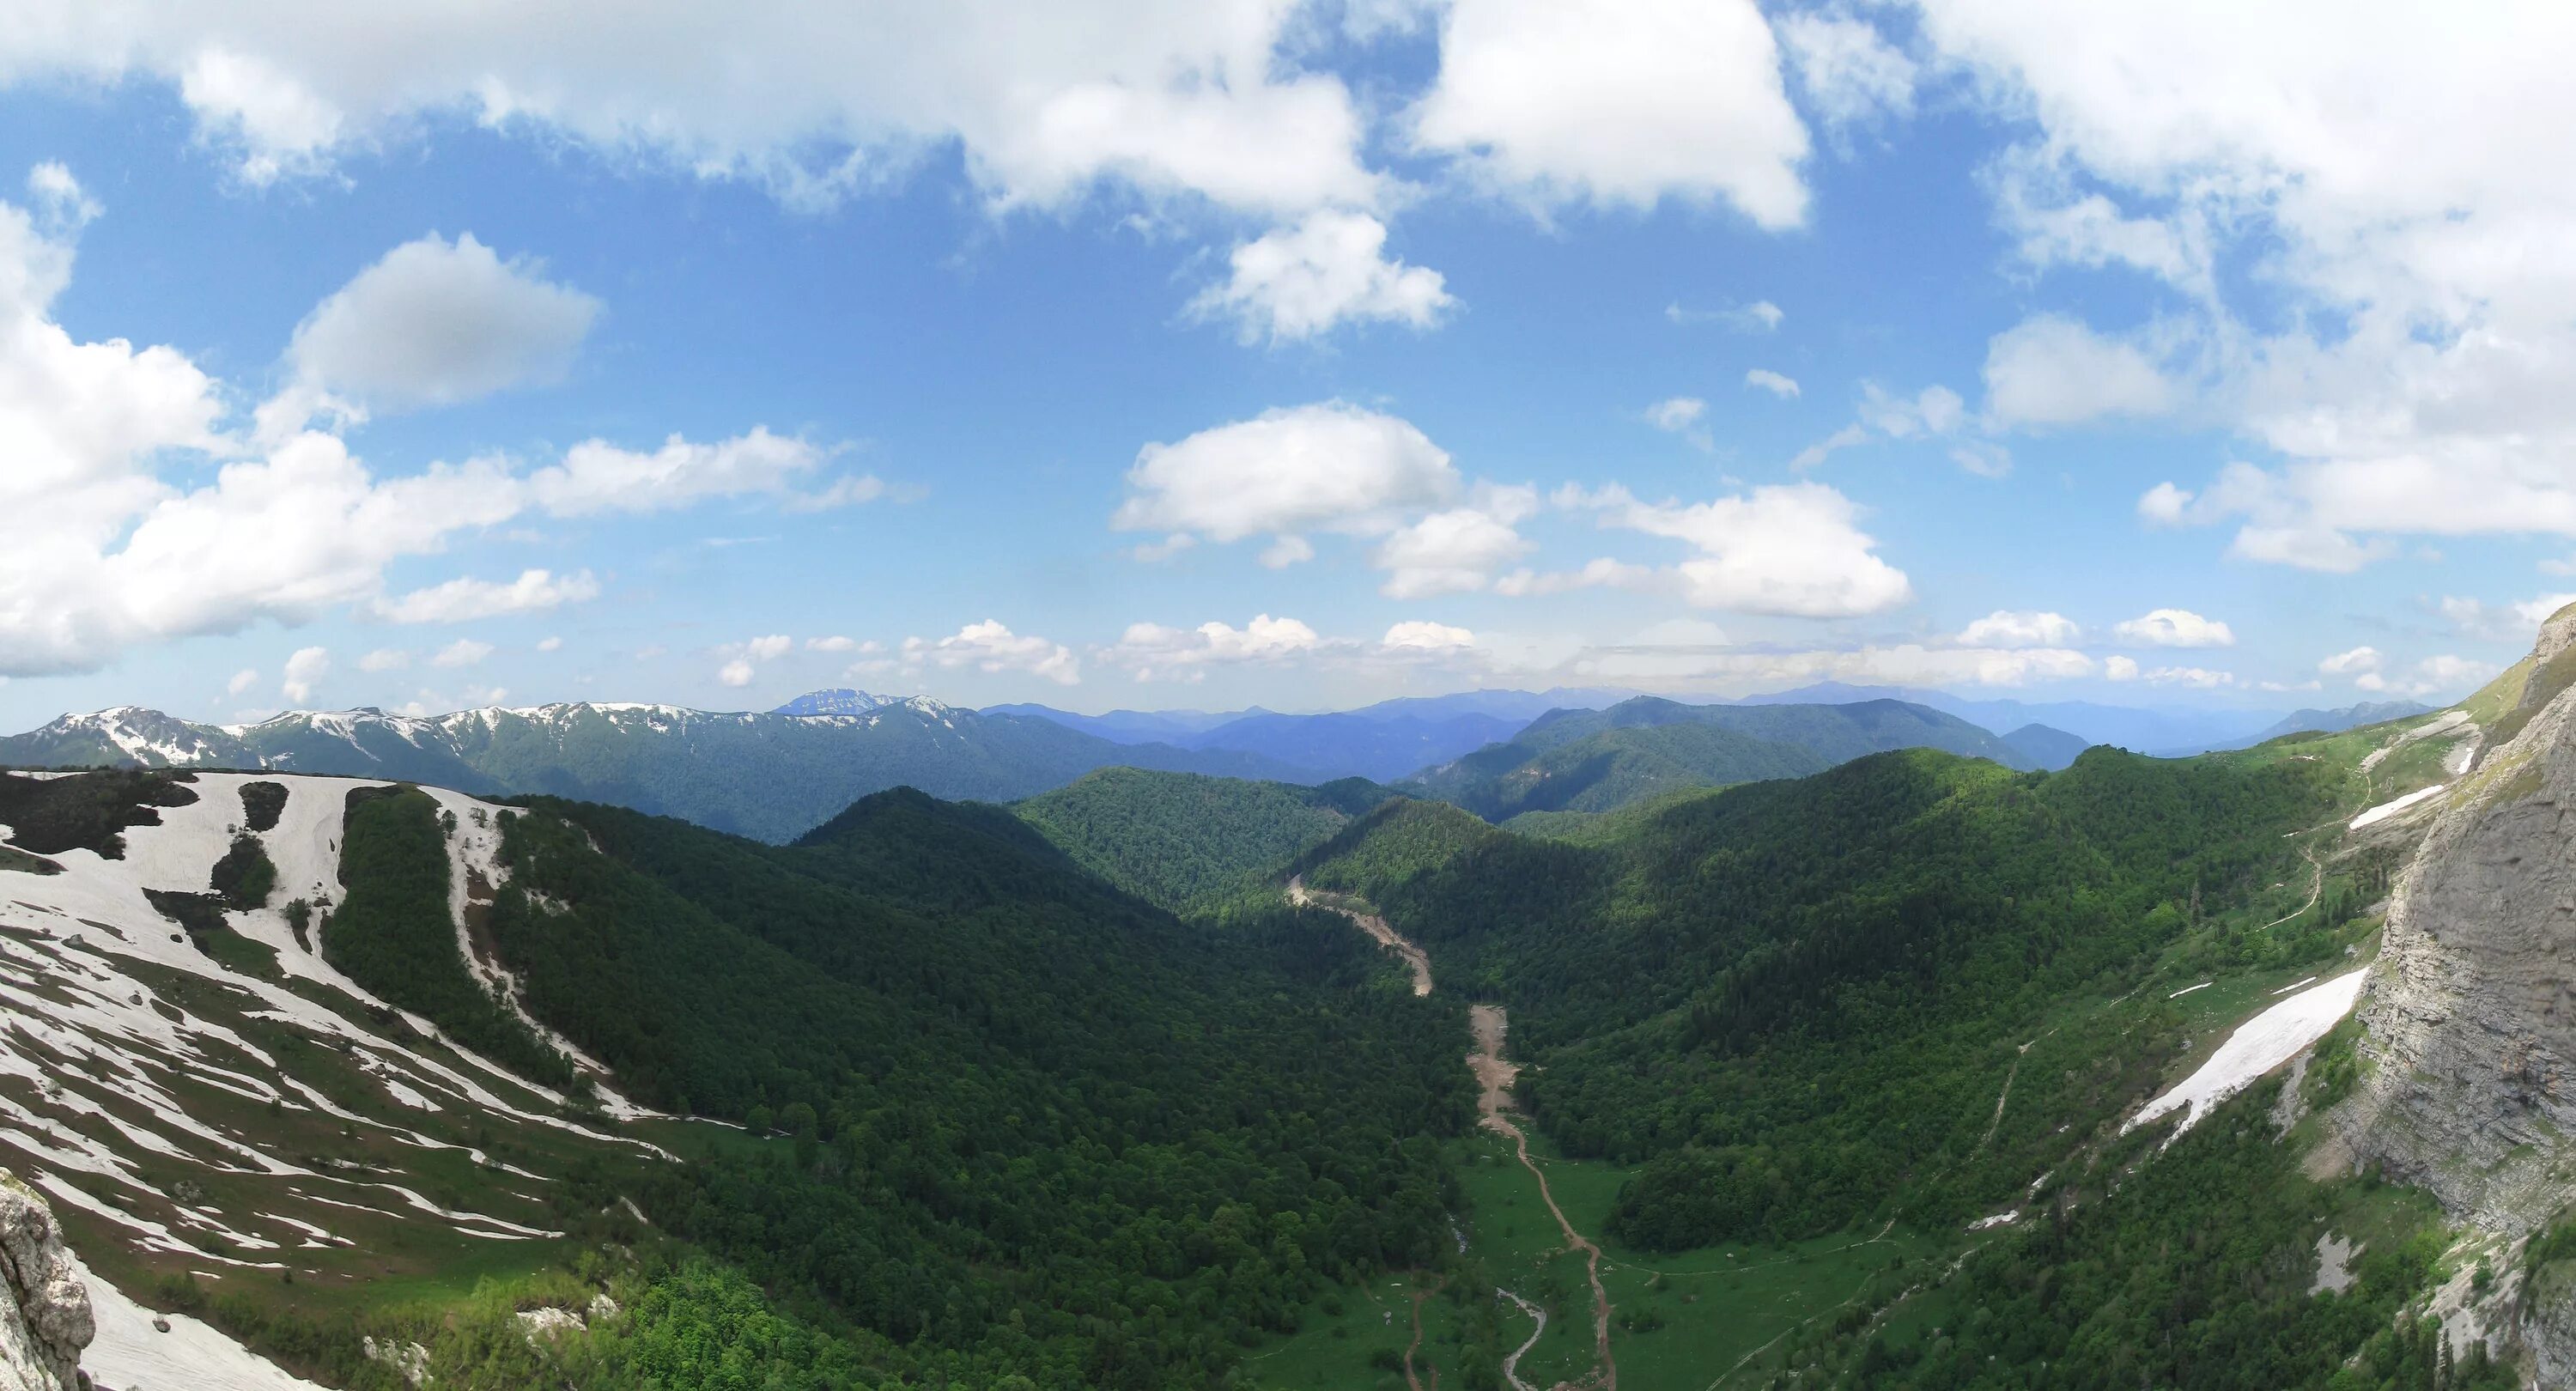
1258,352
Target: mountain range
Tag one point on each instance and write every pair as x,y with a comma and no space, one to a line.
771,776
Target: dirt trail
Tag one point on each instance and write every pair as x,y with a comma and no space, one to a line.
1374,926
1493,1102
1410,1379
1495,1075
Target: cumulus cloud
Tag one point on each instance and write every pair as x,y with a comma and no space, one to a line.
464,652
1457,550
2434,677
2515,623
1151,651
1763,378
2120,668
1044,101
1791,549
1618,102
2052,370
2358,661
385,659
2020,628
242,681
462,600
596,476
436,322
737,673
1422,635
1601,572
1331,268
990,647
2402,354
305,668
1849,73
1934,413
282,527
833,643
2174,628
1331,466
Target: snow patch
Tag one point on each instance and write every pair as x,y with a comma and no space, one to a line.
2259,1045
2386,810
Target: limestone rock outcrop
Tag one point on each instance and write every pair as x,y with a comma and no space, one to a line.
2471,1012
46,1321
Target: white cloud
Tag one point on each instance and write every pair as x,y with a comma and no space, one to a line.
769,648
1424,636
596,476
1043,101
2399,348
1457,550
242,681
464,652
2433,677
1763,377
2195,678
2357,661
1935,410
2052,370
550,643
1300,282
436,322
1676,413
2020,628
735,673
1153,551
385,659
305,668
1816,453
1618,102
2174,628
1761,316
1984,458
1286,551
849,491
1599,573
462,600
281,527
2117,668
990,647
1330,466
831,644
1792,549
1699,665
2515,623
1849,73
1150,650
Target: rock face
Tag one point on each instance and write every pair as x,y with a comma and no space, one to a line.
2471,1012
46,1322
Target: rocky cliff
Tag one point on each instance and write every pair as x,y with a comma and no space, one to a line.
2469,1085
45,1322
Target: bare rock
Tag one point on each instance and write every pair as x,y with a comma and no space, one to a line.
46,1321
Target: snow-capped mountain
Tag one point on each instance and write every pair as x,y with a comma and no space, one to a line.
771,775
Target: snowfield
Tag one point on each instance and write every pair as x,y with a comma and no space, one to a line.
130,1061
2386,810
2259,1045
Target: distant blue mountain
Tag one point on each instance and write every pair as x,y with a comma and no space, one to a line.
2151,730
1380,742
2047,748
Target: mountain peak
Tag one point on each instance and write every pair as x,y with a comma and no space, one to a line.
844,700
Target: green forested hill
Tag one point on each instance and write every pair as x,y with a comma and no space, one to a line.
1034,1126
1601,760
1792,1000
1184,841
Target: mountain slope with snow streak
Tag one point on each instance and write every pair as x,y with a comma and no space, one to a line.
259,1117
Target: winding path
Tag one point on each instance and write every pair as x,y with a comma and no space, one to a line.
1374,926
1494,1100
1494,1078
1512,1364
